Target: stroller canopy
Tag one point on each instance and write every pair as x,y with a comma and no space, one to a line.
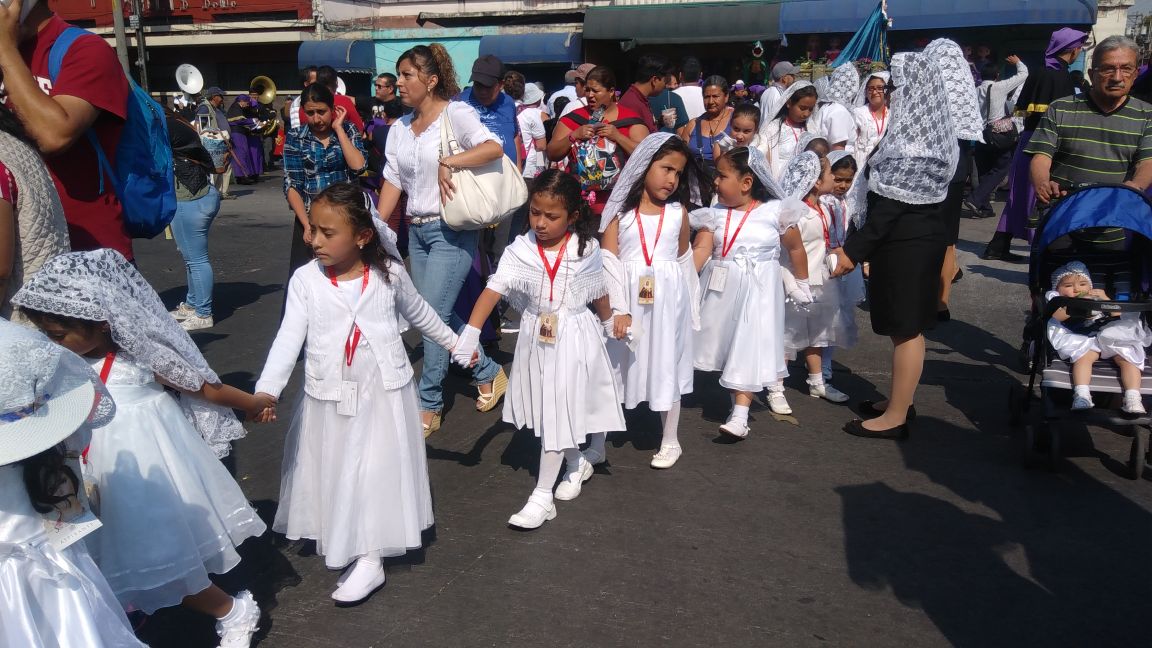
1101,206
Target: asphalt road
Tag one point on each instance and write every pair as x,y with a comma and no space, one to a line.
798,536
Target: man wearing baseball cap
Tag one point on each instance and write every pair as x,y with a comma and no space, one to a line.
783,75
497,110
581,101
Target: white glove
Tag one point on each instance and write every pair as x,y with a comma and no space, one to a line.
466,346
802,293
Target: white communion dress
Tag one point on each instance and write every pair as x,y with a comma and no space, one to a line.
563,390
659,371
742,317
1126,336
52,598
172,513
826,322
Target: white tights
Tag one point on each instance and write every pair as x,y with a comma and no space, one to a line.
671,422
551,461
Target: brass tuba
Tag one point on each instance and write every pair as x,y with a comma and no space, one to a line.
267,96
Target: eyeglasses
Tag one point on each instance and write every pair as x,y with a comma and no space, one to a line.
1126,71
879,90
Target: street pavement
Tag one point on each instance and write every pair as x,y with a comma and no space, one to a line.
799,535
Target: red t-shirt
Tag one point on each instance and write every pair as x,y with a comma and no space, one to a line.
90,71
637,102
611,159
349,104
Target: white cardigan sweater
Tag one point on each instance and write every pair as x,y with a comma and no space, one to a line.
318,315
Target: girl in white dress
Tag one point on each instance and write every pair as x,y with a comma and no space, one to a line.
784,122
652,281
1123,340
844,167
54,595
355,475
738,246
823,324
172,514
562,385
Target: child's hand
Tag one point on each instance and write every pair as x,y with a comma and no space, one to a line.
267,416
258,406
475,360
620,325
1098,294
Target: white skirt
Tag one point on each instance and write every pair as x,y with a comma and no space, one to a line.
1126,338
742,329
357,484
563,391
823,323
172,514
660,371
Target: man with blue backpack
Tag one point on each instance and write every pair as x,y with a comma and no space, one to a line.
103,139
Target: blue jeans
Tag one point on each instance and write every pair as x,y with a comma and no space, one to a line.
441,258
190,229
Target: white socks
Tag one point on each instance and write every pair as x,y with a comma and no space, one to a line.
816,380
1082,391
236,612
671,422
739,413
550,465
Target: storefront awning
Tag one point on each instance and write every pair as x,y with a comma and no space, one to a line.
833,16
348,56
521,49
685,24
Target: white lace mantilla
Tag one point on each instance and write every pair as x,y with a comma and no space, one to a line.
801,174
101,286
962,100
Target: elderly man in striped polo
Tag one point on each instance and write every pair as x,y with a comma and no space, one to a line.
1104,136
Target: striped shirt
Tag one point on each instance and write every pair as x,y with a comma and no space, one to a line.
1088,146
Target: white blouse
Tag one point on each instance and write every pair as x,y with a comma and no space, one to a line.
412,161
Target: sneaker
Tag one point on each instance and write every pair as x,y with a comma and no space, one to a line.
533,515
827,392
1133,404
195,323
238,630
182,312
1080,403
734,427
778,404
573,482
667,456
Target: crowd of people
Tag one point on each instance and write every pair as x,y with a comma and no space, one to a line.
676,225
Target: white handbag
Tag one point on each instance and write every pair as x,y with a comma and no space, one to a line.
485,195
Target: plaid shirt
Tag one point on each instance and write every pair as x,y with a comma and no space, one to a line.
310,167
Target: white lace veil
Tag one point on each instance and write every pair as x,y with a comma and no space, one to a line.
763,171
962,100
801,174
862,94
842,87
916,158
101,286
836,156
634,170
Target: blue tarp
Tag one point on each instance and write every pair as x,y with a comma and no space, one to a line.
870,42
521,49
846,16
348,56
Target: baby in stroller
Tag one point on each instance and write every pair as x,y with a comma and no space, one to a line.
1084,338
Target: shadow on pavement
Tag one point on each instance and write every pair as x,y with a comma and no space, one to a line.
1019,561
227,297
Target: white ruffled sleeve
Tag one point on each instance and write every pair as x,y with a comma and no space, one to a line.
792,210
702,219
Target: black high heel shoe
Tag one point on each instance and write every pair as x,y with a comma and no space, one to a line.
868,409
855,427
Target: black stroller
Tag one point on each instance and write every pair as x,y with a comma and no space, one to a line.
1125,273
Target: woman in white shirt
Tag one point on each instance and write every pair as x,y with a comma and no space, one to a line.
440,256
872,116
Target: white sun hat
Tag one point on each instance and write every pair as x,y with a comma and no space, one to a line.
46,394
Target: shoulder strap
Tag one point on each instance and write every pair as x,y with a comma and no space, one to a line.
628,122
60,48
578,118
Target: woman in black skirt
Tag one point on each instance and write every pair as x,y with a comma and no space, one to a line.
897,206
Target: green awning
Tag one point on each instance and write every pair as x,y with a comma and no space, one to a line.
685,23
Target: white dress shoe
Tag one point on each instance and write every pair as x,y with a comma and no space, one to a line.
365,577
236,630
735,427
827,392
667,456
1081,403
533,515
778,404
1133,404
573,482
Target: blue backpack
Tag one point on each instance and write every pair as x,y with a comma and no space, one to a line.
143,178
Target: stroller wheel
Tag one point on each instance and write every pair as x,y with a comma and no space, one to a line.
1138,454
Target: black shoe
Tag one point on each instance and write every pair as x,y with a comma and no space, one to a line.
968,205
855,427
986,212
944,315
1009,257
868,409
